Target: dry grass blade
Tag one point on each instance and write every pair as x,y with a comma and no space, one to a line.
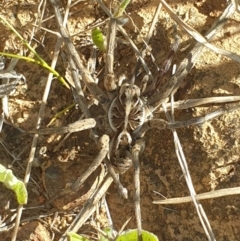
133,45
184,166
237,5
185,104
202,196
90,83
35,138
198,37
89,208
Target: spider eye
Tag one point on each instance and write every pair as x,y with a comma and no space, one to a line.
135,98
123,97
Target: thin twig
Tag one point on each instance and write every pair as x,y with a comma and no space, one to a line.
35,138
88,209
183,163
87,78
134,47
202,196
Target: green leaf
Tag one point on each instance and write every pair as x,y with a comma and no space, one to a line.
38,62
110,233
21,193
121,8
98,39
14,184
75,237
131,235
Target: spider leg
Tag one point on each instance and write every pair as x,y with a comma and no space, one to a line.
6,89
104,149
162,124
200,120
79,96
190,103
136,150
79,125
78,68
186,65
110,79
121,190
148,37
165,66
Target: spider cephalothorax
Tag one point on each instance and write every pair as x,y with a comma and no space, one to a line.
127,112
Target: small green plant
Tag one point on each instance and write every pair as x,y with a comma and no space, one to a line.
97,36
99,39
37,60
128,235
132,235
14,184
75,237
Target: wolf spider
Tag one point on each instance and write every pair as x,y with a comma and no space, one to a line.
131,109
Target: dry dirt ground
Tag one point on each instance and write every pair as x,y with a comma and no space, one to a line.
212,149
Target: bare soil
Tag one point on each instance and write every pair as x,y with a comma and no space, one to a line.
212,149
